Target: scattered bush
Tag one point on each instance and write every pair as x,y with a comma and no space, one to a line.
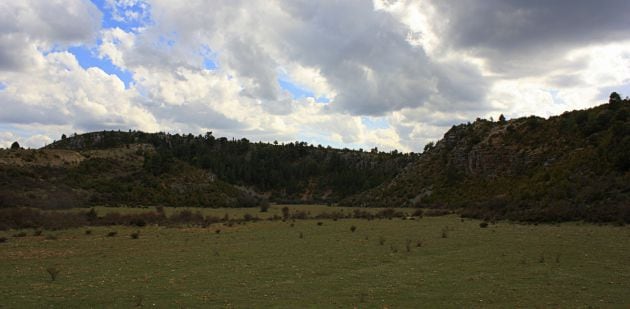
20,234
112,234
381,240
320,223
418,213
393,249
301,235
285,212
51,237
37,233
408,245
483,224
217,231
3,240
88,232
264,206
135,235
353,228
53,272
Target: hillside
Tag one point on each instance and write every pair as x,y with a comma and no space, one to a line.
53,178
570,167
293,172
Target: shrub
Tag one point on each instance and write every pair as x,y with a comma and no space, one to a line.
139,222
53,272
408,246
483,224
20,234
444,233
320,223
51,237
264,206
381,240
419,243
285,212
301,235
353,228
135,235
3,240
418,213
88,232
37,233
112,234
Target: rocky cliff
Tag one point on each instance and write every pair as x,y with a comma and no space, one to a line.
569,167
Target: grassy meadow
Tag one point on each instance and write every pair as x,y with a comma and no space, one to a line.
429,262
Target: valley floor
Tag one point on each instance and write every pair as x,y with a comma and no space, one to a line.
429,262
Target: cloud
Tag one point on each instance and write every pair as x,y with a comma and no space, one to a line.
63,93
509,34
419,66
30,26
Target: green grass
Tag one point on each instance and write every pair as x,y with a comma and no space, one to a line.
267,264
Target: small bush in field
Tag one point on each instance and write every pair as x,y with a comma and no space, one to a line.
135,235
408,246
353,228
483,225
217,231
88,232
419,243
51,237
112,234
285,212
53,272
320,223
444,233
301,235
37,233
3,240
393,249
381,241
292,224
264,207
20,234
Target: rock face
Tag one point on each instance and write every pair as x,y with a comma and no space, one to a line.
574,166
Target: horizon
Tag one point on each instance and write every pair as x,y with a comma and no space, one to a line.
394,75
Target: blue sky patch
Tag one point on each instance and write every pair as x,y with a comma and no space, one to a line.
114,17
375,122
87,58
3,86
299,92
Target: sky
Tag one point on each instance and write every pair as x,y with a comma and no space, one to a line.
354,73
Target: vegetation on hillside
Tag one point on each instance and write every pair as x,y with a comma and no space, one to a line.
293,172
575,166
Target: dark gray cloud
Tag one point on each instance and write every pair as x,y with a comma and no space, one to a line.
525,36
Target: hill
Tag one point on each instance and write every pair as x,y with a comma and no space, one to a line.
570,167
54,178
125,164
